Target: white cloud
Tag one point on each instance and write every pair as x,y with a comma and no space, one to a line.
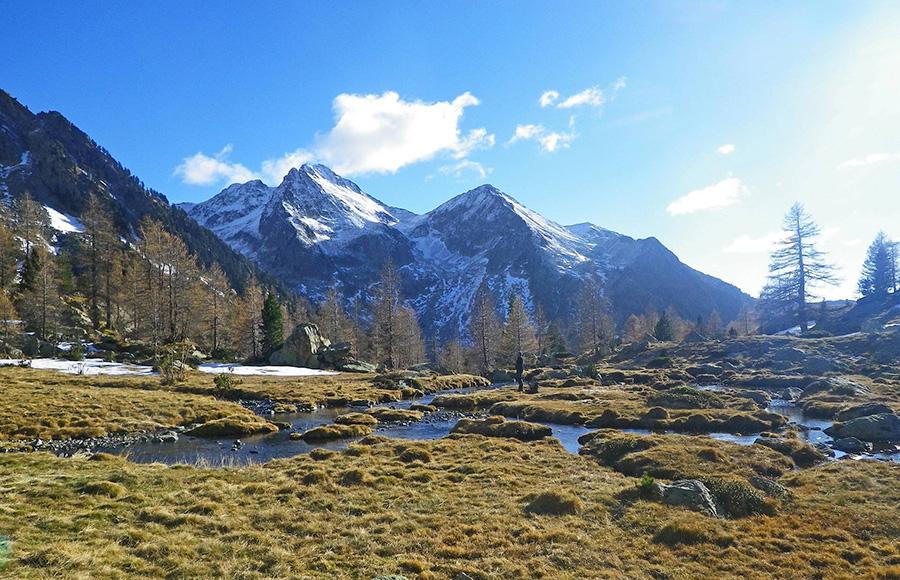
382,133
726,149
592,97
274,170
200,169
458,170
549,141
870,159
548,98
753,245
716,196
372,134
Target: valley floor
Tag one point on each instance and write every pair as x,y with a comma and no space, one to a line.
465,505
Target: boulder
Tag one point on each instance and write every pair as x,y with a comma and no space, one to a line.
334,354
791,394
881,427
818,365
863,411
301,348
688,493
355,366
834,386
851,445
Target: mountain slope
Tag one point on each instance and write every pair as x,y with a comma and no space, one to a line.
317,230
60,166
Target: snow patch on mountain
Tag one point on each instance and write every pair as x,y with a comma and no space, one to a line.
64,223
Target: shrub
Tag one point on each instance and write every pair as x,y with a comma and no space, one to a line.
737,498
553,503
646,485
226,381
75,353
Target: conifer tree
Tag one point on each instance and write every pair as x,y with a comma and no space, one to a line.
32,221
797,266
484,327
40,303
663,330
518,332
97,258
388,303
272,321
10,253
878,276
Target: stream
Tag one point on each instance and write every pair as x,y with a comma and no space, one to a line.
262,448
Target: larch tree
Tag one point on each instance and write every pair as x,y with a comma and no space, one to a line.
411,345
10,253
8,315
797,266
453,357
40,302
518,331
541,326
484,327
32,221
218,302
97,256
878,271
594,325
633,329
332,320
388,303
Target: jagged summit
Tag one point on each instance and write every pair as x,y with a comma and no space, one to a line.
317,227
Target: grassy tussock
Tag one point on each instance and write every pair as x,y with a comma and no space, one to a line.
553,503
388,415
356,419
366,512
233,426
50,405
332,432
498,426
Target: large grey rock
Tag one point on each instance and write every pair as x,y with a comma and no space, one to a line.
835,386
882,427
863,411
301,348
356,366
851,445
336,353
818,365
789,354
688,493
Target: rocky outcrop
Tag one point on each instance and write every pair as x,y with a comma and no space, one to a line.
863,411
851,445
881,427
306,347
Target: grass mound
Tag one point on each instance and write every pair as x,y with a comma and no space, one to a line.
553,503
412,454
499,427
233,426
105,488
332,432
356,419
690,531
686,398
388,415
803,454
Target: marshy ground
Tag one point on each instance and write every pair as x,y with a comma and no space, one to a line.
485,502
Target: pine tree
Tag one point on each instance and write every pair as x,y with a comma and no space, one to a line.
273,329
484,327
796,267
555,342
878,276
663,330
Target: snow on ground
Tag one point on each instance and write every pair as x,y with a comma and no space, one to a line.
272,371
64,223
82,367
99,367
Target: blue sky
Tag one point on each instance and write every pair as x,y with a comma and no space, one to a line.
696,122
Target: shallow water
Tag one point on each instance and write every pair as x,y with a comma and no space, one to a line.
261,448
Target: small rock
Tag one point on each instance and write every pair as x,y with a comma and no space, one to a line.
688,493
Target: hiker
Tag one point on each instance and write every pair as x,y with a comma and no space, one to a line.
520,369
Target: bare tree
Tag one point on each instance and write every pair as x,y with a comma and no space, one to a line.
484,327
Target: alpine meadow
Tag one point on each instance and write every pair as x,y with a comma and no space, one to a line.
402,290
